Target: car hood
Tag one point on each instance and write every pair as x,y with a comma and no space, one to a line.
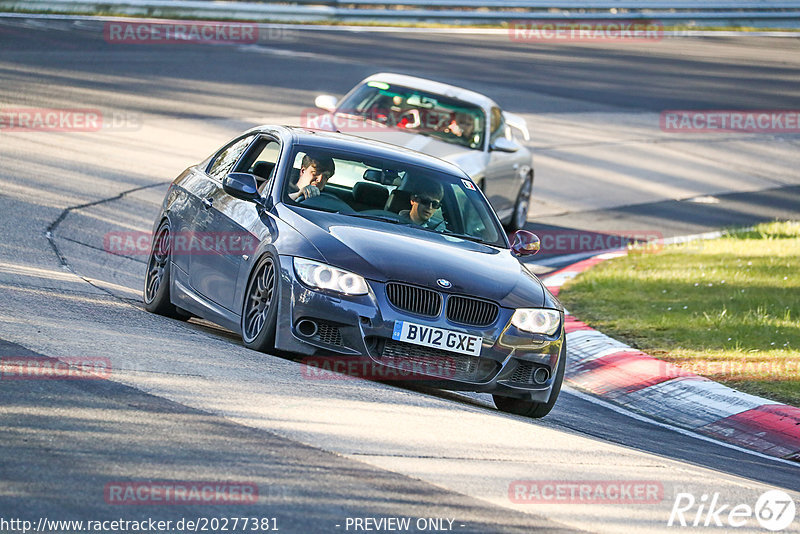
382,251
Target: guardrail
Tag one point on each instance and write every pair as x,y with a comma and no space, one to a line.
715,12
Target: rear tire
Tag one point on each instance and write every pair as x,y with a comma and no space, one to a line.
260,307
535,409
156,279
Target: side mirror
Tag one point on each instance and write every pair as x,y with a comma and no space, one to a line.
525,243
326,102
241,185
501,144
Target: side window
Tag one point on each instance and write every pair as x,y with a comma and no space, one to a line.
228,156
473,220
260,161
268,154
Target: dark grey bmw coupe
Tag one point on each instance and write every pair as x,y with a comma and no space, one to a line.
327,245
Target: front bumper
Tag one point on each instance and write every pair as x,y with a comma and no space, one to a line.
511,363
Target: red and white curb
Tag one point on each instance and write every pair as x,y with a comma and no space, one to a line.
615,372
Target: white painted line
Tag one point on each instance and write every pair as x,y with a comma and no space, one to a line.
280,52
612,255
558,279
622,411
572,259
569,259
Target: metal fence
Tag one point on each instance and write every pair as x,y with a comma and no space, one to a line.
777,13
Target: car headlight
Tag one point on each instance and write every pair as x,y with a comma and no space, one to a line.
323,276
537,320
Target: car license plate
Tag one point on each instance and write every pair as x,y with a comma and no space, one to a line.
437,338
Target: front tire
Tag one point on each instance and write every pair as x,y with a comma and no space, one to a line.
260,308
520,215
535,409
157,277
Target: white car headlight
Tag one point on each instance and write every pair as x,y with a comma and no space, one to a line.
323,276
537,320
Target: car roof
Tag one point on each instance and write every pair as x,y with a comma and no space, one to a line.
333,141
432,86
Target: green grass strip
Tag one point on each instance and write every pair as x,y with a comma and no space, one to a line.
727,309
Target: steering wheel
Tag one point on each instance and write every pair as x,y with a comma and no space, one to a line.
327,201
322,194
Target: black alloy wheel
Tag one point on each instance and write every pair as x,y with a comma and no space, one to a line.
156,279
261,306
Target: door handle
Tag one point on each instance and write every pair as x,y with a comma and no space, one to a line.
207,203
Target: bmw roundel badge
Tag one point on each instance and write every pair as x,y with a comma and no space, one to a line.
444,283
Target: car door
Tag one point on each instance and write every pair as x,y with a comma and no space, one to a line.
217,242
500,182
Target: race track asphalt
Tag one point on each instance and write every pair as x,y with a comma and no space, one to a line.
188,402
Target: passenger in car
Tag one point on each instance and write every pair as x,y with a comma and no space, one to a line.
462,125
426,199
315,171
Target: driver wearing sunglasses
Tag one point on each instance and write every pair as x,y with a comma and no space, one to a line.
426,199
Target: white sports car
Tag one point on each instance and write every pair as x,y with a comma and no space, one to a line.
457,125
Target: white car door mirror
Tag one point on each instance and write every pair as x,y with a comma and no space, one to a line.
502,144
326,102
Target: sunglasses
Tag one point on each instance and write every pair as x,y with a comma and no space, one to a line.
429,202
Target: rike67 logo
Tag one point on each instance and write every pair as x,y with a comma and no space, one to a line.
774,511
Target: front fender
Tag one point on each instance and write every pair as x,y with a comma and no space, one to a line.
275,237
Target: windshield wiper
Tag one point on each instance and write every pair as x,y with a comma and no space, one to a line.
467,237
384,218
392,220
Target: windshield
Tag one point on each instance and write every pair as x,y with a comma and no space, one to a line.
397,193
448,119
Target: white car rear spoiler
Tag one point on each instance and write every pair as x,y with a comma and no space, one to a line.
517,122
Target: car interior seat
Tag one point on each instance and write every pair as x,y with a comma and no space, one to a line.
263,170
399,200
369,196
